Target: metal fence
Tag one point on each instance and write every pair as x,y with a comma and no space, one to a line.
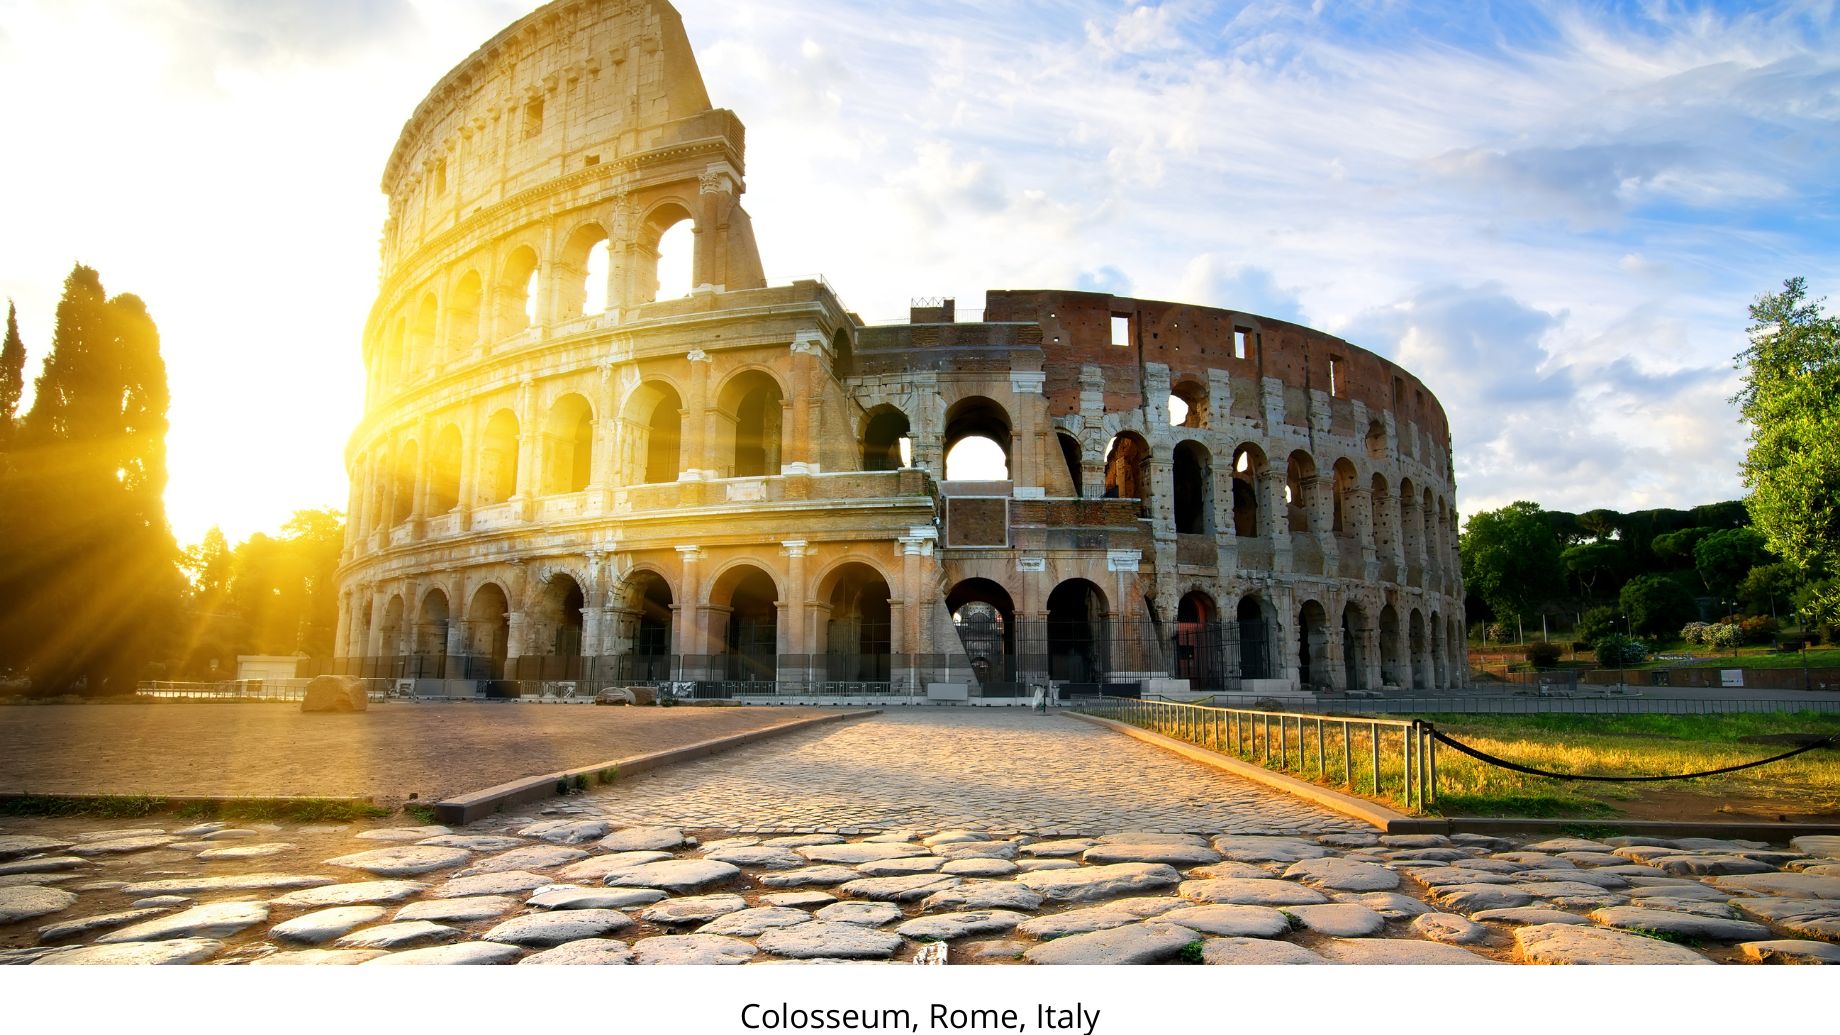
1605,705
1390,757
277,690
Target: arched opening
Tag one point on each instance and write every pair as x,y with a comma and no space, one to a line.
858,638
977,441
517,303
568,446
444,471
498,459
581,287
1354,647
431,634
553,626
750,643
1248,471
752,407
402,494
647,602
391,640
1188,405
1255,636
1194,489
1070,453
1410,529
1200,645
488,633
843,355
653,430
463,331
1076,633
1312,645
421,335
1127,469
985,618
1299,486
1438,673
669,244
1376,440
886,445
1377,502
1392,661
1341,523
1417,645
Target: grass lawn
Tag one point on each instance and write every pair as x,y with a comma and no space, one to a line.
1806,786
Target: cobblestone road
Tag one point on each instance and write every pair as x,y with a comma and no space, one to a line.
935,768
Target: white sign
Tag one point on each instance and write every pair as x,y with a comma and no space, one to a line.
1731,677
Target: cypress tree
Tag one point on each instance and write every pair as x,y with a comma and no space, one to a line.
12,376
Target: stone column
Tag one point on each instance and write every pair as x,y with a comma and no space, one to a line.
528,436
469,466
694,444
689,639
341,633
796,633
798,439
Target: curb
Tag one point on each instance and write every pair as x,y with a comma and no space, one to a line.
1379,816
1658,827
168,802
474,805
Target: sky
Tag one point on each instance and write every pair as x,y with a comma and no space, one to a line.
1554,214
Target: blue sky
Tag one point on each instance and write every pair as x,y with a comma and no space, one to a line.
1555,214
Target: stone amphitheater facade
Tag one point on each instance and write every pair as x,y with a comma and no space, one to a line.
751,490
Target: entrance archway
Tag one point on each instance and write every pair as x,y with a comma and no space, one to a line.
488,622
985,618
1254,639
859,636
1312,645
1076,633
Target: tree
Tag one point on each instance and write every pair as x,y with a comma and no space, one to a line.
1791,399
1677,547
1768,585
1587,563
12,376
89,583
1657,604
1600,523
1617,650
1511,558
1723,559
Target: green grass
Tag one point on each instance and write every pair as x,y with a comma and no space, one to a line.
1191,953
129,806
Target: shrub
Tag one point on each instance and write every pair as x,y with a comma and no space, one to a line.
1543,653
1616,650
1694,633
1501,632
1759,629
1656,603
1723,636
1598,623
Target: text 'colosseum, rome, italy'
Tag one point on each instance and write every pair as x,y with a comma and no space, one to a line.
563,482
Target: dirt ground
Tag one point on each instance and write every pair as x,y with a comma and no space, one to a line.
388,753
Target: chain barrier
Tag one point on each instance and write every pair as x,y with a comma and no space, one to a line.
1483,756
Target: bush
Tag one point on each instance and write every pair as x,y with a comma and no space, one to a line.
1501,632
1656,604
1759,629
1694,633
1724,636
1544,653
1616,650
1598,623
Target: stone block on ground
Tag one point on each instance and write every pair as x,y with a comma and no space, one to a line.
1399,952
1258,952
1449,927
1343,874
1092,883
692,950
330,694
1574,945
819,939
1147,942
584,952
1790,951
1246,891
550,929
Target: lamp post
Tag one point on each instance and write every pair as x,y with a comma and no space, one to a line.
1801,619
1622,659
1732,606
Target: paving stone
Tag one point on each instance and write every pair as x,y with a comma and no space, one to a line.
1060,848
1339,919
1719,844
318,958
261,851
1606,881
1484,841
856,854
1570,892
1644,853
1446,876
899,889
1234,921
325,924
801,840
1249,871
978,867
1389,904
13,845
982,894
508,882
1545,859
402,833
1572,944
955,836
123,845
1399,952
1827,846
1630,871
1348,840
89,924
692,950
978,850
1709,865
1530,915
138,954
1246,891
1449,927
819,939
1808,917
997,950
1782,885
1468,898
945,927
750,923
564,896
458,910
644,839
355,894
1722,910
583,952
473,842
1571,844
1343,875
1254,848
905,867
1790,951
160,902
1078,921
799,899
1414,840
554,928
406,934
808,875
567,831
1431,855
24,902
216,920
872,914
1592,858
40,867
1146,942
403,860
1147,906
236,882
463,954
677,875
1036,865
762,856
1173,853
697,909
530,857
1092,883
601,865
1257,952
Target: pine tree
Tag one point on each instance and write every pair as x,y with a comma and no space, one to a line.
12,376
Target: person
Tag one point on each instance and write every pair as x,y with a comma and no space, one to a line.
1041,698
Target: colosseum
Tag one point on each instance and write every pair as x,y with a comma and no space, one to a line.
563,481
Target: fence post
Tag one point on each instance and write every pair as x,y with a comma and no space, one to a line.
1373,743
1320,773
1431,763
1347,757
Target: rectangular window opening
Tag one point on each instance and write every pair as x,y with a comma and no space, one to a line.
1242,343
533,118
440,177
1121,331
1335,377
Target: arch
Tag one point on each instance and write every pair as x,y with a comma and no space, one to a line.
886,445
1193,411
1194,489
1248,473
1312,646
1256,634
1342,483
463,313
553,620
751,406
444,471
1077,639
843,354
488,632
971,419
1299,487
1393,671
402,488
390,640
568,446
653,424
647,604
421,350
498,459
1416,646
1127,469
1200,644
517,292
1377,500
666,250
1074,456
1376,439
1438,660
750,639
858,637
583,251
431,625
1354,647
985,618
